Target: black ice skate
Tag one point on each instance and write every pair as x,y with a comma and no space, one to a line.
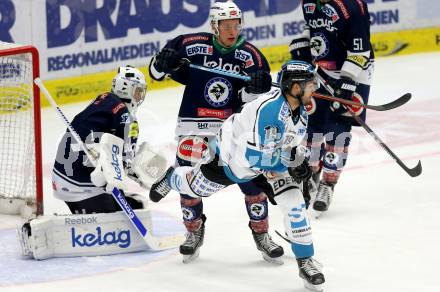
271,251
324,197
161,188
190,249
310,272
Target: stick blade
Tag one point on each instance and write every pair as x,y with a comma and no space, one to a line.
395,103
415,171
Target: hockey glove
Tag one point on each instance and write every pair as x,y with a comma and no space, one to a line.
298,167
167,60
301,173
343,88
300,50
260,82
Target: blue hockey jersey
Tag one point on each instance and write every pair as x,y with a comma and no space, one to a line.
210,98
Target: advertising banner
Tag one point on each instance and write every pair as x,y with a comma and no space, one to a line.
78,38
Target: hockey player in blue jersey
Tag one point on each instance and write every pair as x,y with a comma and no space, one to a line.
262,144
337,39
208,100
111,112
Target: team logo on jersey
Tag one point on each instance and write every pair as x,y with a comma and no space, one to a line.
246,57
319,45
272,137
218,91
309,8
199,49
330,12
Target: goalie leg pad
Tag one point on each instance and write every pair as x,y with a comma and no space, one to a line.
82,235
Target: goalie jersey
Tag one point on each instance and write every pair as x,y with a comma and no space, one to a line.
71,171
210,98
260,138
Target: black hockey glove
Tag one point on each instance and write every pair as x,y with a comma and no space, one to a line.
344,87
260,82
167,60
300,50
301,173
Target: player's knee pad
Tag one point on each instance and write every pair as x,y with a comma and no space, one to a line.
333,163
257,209
296,222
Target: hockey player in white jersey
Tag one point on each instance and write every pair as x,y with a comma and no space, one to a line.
262,144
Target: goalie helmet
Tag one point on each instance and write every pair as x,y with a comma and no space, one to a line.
295,72
221,11
130,86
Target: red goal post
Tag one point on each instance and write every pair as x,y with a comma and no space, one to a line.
20,131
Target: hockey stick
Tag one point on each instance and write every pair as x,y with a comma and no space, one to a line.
413,172
384,107
155,243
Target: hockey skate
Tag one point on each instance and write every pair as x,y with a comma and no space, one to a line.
271,251
161,187
323,198
310,272
190,249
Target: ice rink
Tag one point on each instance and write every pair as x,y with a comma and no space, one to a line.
382,232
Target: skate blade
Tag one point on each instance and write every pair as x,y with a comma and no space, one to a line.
190,258
312,287
316,214
276,261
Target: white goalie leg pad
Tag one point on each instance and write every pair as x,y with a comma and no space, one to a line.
148,165
82,235
109,169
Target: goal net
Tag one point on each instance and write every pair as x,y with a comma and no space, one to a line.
20,134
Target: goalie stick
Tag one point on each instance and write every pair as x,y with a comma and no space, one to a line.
383,107
413,172
155,243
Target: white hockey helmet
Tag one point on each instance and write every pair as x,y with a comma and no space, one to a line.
224,10
130,86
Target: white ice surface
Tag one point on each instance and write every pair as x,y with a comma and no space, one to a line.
382,232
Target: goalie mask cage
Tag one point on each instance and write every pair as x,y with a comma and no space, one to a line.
20,131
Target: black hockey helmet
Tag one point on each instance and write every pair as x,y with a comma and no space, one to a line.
295,72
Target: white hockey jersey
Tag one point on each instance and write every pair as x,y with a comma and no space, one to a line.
260,138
